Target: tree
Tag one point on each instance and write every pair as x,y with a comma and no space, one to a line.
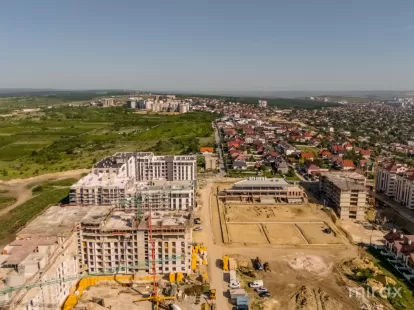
5,172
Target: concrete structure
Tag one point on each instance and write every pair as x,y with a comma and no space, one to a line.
397,182
211,161
346,193
126,177
263,190
262,103
386,176
116,241
45,250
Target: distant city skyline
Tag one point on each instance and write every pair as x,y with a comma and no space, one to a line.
213,46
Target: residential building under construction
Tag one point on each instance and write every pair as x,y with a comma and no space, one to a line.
129,179
65,244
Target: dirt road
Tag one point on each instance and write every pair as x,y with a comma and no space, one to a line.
19,187
215,252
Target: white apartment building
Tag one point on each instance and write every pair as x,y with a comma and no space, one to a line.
168,181
386,177
346,193
115,241
404,192
45,251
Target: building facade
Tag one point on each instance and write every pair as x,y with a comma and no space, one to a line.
397,182
117,241
345,192
264,190
129,179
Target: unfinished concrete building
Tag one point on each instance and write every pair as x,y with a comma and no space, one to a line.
117,241
127,178
264,190
345,193
45,251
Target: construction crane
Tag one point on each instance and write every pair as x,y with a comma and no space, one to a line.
155,298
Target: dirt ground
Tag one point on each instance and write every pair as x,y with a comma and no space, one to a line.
20,188
291,234
116,297
361,234
314,234
246,233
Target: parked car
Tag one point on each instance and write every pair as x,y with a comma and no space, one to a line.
260,289
198,228
197,220
264,294
256,283
327,230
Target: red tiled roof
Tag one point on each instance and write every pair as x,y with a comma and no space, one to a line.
307,155
348,163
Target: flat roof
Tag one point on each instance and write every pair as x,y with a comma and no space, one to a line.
166,219
164,185
120,220
96,215
102,179
55,221
261,182
346,181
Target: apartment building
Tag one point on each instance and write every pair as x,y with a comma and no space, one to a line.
386,177
345,193
126,178
116,241
45,251
404,189
396,181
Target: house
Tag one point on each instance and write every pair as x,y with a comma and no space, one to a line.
365,153
239,164
206,149
311,168
325,154
347,164
230,132
283,167
307,156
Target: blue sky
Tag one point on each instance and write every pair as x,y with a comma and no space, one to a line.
208,45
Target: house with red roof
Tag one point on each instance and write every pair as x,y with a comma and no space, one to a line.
325,154
365,153
347,164
311,168
307,156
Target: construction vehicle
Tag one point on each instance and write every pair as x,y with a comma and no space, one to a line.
225,263
258,264
212,294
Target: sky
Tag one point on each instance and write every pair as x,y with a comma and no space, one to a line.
194,45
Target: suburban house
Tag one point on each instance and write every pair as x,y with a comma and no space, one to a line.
307,156
311,168
347,164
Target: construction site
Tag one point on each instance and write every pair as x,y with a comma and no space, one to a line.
278,224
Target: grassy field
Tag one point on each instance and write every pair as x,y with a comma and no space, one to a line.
64,138
6,201
11,222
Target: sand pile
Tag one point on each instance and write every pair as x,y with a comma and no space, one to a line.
307,298
311,263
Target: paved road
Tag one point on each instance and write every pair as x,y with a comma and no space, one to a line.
407,214
220,151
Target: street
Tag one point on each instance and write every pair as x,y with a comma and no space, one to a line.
220,152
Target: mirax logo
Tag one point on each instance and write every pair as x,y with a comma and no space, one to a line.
385,292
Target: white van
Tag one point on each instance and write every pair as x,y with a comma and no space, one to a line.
256,283
234,284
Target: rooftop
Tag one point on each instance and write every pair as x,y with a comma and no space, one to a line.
102,179
96,215
261,182
346,181
108,162
120,221
55,221
167,219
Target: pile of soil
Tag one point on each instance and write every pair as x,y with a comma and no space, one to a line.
311,263
307,298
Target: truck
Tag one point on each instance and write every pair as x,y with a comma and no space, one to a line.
234,283
258,264
234,293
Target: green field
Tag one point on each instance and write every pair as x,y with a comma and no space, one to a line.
64,138
17,218
6,201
